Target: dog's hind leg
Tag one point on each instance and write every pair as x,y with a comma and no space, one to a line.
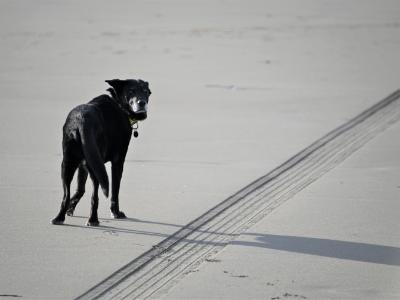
80,190
93,218
116,170
68,168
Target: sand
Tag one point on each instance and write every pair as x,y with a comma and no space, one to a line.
337,239
238,87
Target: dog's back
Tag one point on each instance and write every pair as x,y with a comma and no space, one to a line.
89,132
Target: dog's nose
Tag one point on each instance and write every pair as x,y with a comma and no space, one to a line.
141,104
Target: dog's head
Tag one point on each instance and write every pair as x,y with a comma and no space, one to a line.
132,95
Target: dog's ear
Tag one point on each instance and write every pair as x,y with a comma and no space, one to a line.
142,83
116,89
116,84
147,86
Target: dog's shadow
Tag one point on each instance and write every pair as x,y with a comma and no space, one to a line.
346,250
113,229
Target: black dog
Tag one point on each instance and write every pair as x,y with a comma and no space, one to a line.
98,132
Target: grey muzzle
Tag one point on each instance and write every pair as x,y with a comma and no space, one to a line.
139,106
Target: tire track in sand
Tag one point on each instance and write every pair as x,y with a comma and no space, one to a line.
153,273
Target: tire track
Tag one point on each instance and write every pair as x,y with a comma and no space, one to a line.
153,273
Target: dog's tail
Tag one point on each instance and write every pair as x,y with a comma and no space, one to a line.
94,160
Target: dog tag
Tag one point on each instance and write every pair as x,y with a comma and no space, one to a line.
135,127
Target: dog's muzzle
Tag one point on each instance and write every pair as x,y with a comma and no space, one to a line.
139,106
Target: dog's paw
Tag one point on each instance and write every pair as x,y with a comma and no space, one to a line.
118,215
57,221
92,223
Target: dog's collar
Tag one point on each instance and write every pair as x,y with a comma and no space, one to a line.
132,121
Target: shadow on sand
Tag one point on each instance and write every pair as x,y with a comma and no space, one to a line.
355,251
362,252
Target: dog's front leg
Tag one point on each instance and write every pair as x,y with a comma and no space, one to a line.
116,170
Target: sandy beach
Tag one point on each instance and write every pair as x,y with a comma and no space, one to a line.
237,89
